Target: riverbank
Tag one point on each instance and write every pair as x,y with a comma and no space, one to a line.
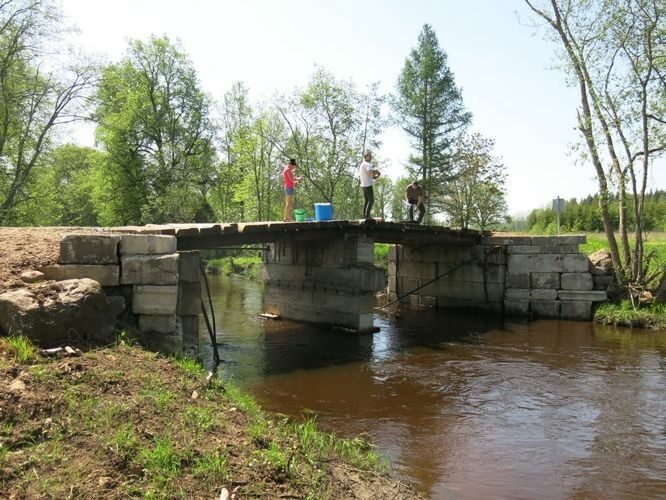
120,421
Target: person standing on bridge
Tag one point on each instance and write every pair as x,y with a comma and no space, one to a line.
414,197
290,181
367,175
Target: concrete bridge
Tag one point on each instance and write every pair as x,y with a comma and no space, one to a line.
324,272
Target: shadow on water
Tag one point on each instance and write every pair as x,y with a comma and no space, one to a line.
466,405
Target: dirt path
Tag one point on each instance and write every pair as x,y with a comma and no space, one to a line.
26,248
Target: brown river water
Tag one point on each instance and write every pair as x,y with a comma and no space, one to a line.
465,405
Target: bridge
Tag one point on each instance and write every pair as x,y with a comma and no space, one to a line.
324,271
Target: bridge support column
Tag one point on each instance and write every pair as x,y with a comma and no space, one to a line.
329,281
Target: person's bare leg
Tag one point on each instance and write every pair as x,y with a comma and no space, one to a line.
287,207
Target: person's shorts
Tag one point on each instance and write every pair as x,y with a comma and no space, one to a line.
289,191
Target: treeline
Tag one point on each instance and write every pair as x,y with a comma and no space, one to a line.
165,151
585,215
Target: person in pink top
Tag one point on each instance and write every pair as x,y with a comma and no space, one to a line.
290,181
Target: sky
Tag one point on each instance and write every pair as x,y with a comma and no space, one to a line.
499,59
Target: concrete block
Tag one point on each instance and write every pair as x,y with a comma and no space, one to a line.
147,244
577,281
157,323
393,253
518,280
392,268
506,240
593,295
545,280
154,299
392,284
89,249
105,275
487,254
545,308
517,307
517,293
574,239
149,269
189,299
569,249
531,249
188,266
543,294
365,251
188,328
545,263
579,309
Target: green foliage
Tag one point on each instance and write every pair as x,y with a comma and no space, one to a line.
243,265
190,366
153,120
20,348
475,194
430,109
35,101
584,216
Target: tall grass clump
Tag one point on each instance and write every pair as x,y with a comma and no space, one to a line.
20,348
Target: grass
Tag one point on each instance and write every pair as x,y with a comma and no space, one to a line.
122,419
655,244
20,349
624,314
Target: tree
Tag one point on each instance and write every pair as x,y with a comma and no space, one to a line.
34,100
154,122
329,124
429,107
475,195
62,189
613,50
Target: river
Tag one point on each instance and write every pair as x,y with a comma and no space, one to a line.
466,405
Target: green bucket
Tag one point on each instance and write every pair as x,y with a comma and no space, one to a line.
299,214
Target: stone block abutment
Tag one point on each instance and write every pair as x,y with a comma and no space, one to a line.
539,276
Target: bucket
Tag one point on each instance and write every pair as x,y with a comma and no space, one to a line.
299,214
323,211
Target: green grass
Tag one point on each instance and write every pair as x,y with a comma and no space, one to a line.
20,349
211,467
624,314
655,243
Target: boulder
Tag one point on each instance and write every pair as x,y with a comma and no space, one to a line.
601,263
32,276
56,311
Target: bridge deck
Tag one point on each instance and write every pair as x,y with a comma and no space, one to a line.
216,235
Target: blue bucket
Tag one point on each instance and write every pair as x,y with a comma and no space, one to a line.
323,211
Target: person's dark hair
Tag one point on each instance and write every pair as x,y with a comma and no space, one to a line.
292,161
416,182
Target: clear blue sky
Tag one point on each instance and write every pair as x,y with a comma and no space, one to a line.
501,65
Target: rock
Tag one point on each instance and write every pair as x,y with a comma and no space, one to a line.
118,304
224,494
17,386
601,263
32,276
55,311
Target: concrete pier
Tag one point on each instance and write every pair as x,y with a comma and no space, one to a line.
328,281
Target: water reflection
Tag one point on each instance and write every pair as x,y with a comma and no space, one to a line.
463,405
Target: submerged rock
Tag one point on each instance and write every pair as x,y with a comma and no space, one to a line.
57,311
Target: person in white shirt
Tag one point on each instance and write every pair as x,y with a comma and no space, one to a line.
367,175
